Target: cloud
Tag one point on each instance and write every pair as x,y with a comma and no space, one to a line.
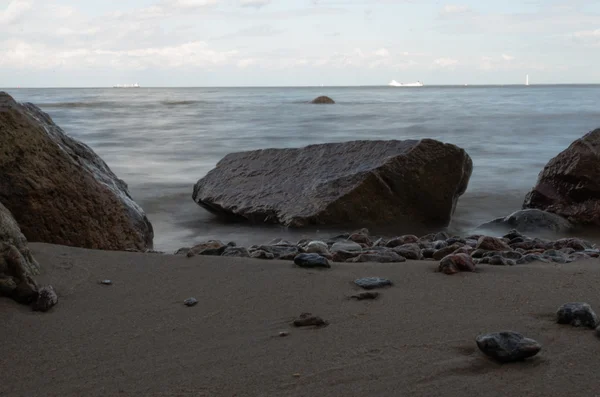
455,9
254,3
382,52
508,57
253,31
445,63
15,11
587,37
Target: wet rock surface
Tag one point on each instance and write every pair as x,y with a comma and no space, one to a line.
577,314
508,346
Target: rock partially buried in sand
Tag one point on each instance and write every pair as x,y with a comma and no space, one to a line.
455,263
190,302
311,261
307,320
210,247
492,244
105,282
578,314
365,296
323,100
508,346
373,282
47,299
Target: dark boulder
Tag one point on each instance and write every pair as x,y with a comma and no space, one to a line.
530,220
323,100
455,263
508,346
348,183
59,191
311,261
578,314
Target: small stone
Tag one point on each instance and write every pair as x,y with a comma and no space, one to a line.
360,238
441,236
365,295
408,239
439,244
284,333
190,302
182,251
575,243
372,282
261,254
311,261
105,282
349,246
296,375
238,252
578,314
455,263
409,251
492,244
498,260
210,247
317,247
307,320
46,299
442,253
508,346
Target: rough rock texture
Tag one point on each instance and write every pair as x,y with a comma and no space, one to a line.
373,282
455,263
59,190
323,100
530,220
17,265
311,261
508,346
210,247
569,185
578,314
492,244
46,299
358,182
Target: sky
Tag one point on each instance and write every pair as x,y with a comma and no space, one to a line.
158,43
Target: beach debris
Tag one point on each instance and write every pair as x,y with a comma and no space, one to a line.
455,263
105,282
578,314
307,320
46,299
190,301
365,296
311,260
372,282
507,346
284,333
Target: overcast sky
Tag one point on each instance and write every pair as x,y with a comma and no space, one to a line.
53,43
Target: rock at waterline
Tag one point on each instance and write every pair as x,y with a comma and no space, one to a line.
530,220
46,299
373,282
508,346
210,247
371,182
311,261
239,252
578,314
307,320
323,100
190,302
569,184
455,263
409,251
59,191
17,265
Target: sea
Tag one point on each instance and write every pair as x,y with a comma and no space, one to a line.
161,141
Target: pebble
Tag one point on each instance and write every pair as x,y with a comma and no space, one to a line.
190,301
283,333
365,295
317,247
307,320
372,282
508,346
578,314
311,261
105,282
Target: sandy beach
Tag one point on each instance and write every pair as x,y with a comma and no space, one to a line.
136,338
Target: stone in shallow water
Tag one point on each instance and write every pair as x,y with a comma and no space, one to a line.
307,320
190,301
508,346
578,314
311,260
47,298
372,282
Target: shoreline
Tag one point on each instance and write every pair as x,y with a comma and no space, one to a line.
136,337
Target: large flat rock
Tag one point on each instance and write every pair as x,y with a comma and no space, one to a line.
59,191
569,185
349,183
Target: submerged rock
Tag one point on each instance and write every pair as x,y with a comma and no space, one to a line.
508,346
372,282
323,100
46,299
59,191
530,220
455,263
311,260
372,182
578,314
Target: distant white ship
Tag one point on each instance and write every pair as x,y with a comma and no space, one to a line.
394,83
135,85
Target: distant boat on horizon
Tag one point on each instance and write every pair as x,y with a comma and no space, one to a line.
135,85
394,83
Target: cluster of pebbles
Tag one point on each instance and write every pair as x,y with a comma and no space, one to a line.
454,253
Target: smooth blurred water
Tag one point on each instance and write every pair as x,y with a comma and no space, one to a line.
162,140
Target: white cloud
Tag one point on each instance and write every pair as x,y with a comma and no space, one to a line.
587,37
455,9
507,57
254,3
382,52
445,63
16,9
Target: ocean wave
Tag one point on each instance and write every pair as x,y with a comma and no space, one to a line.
184,102
74,105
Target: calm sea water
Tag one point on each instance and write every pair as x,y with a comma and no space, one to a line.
161,141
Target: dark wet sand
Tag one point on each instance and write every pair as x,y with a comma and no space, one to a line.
136,338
